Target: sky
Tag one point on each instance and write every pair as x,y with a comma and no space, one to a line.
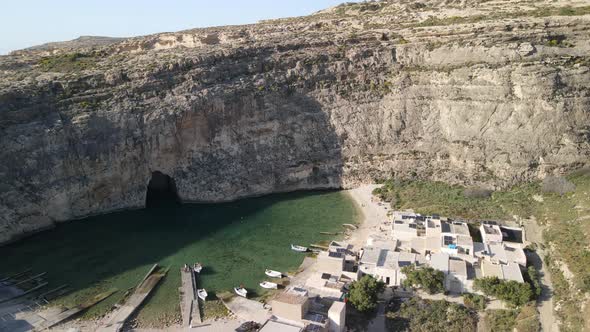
25,23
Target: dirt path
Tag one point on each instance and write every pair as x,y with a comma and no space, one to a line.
547,317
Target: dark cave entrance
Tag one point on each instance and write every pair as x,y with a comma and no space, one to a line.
161,190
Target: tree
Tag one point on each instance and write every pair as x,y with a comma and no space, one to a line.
363,293
512,292
427,278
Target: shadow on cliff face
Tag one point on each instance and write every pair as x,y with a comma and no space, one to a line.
255,144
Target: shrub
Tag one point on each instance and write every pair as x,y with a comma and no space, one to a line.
427,278
501,320
558,185
477,193
533,278
512,292
431,316
363,293
72,62
528,319
474,301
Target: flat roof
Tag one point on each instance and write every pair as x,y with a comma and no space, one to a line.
465,240
491,270
440,261
490,229
290,298
458,267
511,271
459,228
370,255
496,251
273,326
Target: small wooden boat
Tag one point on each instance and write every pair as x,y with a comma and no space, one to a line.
197,267
351,226
202,294
269,285
241,291
273,273
298,248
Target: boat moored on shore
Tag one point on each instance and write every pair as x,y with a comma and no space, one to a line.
273,273
298,248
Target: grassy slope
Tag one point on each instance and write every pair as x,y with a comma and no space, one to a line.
566,219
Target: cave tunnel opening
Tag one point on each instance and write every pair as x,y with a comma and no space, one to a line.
161,190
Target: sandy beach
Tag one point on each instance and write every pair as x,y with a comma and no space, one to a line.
374,214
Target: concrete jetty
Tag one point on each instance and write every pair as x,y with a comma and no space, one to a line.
59,317
189,301
114,322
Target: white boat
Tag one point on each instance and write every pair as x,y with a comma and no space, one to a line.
269,285
273,273
241,291
202,294
198,268
298,248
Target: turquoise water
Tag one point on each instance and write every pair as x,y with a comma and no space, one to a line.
235,241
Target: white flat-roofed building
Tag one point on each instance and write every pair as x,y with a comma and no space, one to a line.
510,271
456,280
500,253
385,264
490,233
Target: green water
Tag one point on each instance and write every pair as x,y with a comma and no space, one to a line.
235,241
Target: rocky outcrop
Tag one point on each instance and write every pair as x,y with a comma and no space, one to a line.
481,96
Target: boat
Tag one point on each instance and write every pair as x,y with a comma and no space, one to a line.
202,294
241,291
350,226
298,248
273,274
269,285
197,267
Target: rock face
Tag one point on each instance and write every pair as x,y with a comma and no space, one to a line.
488,96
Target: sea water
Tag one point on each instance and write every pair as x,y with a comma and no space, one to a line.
234,241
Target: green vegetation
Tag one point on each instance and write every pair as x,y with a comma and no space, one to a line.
418,315
474,301
512,292
225,237
427,278
363,293
67,63
214,309
561,204
532,277
501,320
528,319
437,197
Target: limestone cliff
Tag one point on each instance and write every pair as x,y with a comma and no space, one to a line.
486,92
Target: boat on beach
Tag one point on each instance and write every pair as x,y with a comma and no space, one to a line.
298,248
241,291
202,294
269,285
273,273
